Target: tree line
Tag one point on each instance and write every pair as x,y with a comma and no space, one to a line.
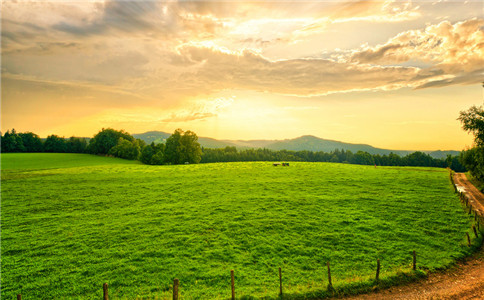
30,142
183,147
180,147
420,159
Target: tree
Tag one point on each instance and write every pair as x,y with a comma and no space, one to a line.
454,162
173,148
106,139
31,142
473,121
12,142
146,154
362,158
473,159
76,145
419,159
157,158
125,149
55,143
182,147
191,150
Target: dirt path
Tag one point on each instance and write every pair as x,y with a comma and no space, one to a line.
476,198
464,281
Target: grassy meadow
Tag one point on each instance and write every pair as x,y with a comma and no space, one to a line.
71,222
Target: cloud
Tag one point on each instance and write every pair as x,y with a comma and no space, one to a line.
375,11
454,49
172,48
126,16
465,78
223,69
150,19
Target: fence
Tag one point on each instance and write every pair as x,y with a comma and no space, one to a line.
476,229
176,282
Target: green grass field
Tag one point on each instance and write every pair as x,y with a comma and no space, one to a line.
72,222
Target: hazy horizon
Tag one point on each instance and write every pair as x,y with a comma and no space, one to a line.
390,74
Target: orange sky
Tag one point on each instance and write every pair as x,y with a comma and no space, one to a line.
393,74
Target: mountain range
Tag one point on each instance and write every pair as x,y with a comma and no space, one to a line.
306,142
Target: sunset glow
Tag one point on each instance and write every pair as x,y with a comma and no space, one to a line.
392,74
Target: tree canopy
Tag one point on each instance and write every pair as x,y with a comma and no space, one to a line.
473,121
473,159
106,139
183,147
12,142
55,143
125,149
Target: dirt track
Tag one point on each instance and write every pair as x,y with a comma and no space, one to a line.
476,198
464,281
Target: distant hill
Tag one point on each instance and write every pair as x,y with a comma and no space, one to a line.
312,143
306,142
152,136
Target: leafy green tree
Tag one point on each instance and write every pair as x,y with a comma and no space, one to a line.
125,149
12,142
106,139
55,143
473,159
173,148
454,162
473,121
149,151
418,159
146,154
31,142
158,147
157,158
362,158
76,145
182,147
191,150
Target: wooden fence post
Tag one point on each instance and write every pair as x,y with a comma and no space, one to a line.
232,283
19,297
414,260
175,288
377,270
105,292
468,238
280,282
475,230
330,284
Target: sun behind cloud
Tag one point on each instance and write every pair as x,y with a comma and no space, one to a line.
232,69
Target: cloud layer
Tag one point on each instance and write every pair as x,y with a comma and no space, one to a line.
151,46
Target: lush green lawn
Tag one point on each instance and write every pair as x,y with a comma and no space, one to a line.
36,161
72,222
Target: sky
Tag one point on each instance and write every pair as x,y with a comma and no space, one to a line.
392,74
